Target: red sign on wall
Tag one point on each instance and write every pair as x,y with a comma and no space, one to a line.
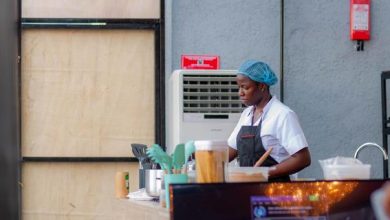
199,62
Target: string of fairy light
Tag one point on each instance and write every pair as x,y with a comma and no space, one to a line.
318,195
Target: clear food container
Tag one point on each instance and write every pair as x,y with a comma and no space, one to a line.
247,174
344,168
211,161
345,172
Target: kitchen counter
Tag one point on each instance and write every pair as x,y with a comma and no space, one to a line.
142,210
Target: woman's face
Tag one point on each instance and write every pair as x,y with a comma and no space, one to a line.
249,90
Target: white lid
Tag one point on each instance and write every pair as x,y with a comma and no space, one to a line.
211,145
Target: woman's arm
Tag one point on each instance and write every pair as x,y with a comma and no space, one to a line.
232,154
293,164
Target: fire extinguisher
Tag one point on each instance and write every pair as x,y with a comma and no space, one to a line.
360,22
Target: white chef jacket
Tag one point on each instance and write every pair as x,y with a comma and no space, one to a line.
280,129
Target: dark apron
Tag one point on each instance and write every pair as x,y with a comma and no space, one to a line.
250,149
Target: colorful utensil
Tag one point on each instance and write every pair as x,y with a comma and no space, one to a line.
178,157
158,155
189,149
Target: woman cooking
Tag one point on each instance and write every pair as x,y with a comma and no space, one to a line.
267,124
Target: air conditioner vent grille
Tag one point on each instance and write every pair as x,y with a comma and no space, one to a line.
205,93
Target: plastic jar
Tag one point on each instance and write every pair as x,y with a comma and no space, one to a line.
211,161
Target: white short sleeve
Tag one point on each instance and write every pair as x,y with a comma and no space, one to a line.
280,129
291,136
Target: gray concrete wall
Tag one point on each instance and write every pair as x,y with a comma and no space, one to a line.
334,89
235,30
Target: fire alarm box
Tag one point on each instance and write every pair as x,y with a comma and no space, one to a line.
360,19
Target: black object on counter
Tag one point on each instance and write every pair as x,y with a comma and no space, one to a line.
349,199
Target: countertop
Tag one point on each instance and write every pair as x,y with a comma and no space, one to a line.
142,210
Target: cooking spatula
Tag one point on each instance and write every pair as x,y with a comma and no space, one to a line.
189,149
178,157
139,150
158,155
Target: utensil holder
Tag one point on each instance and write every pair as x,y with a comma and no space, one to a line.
153,182
172,178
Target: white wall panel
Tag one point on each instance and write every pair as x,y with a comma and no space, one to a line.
73,190
91,9
87,92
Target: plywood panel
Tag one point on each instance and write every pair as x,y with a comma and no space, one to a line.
91,9
73,190
87,92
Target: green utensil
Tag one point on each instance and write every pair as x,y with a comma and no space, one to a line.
178,157
158,155
189,149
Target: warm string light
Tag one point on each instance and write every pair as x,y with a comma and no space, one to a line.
318,195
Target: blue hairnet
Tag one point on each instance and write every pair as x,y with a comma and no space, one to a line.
258,71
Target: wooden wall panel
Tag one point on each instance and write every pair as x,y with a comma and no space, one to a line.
73,190
146,9
87,92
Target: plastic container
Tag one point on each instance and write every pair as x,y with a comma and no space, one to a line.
247,174
344,168
191,172
346,172
211,161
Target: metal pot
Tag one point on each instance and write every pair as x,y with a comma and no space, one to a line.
153,179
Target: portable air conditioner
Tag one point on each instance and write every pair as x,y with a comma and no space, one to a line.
201,105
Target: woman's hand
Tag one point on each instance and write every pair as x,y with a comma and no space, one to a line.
293,164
